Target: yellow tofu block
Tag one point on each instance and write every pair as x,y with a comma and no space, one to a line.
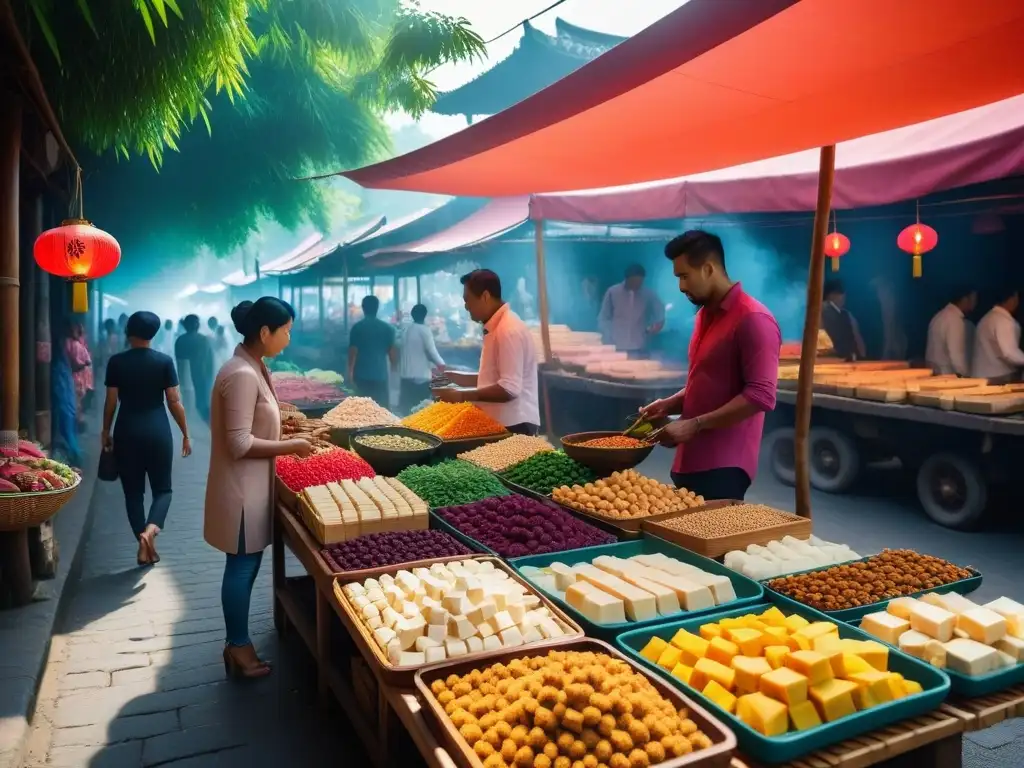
846,664
863,699
801,643
912,687
794,622
722,650
731,622
803,716
817,629
720,696
669,657
682,672
874,653
653,650
780,634
748,671
776,655
827,644
748,619
896,685
764,715
758,625
773,617
750,641
811,664
833,699
692,646
875,682
706,670
785,685
709,631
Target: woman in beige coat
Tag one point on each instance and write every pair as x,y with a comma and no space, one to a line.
245,425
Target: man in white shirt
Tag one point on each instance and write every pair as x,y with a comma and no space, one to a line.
419,353
946,351
630,313
997,353
506,385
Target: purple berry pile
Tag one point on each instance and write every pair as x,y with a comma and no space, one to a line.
515,526
379,550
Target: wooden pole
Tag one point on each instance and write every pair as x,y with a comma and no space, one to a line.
10,151
32,227
809,348
542,289
344,292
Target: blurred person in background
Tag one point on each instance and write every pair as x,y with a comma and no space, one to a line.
141,383
631,314
839,324
218,342
245,428
371,347
733,376
62,396
194,349
122,324
418,356
947,351
80,361
894,337
997,354
164,341
505,387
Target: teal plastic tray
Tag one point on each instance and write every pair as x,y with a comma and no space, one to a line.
748,592
975,685
790,746
963,587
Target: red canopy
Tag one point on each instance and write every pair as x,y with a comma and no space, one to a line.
715,84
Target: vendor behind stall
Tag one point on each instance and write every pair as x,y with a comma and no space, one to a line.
371,346
506,385
947,351
734,366
419,354
631,313
997,354
839,324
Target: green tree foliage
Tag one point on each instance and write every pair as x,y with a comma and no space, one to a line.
228,102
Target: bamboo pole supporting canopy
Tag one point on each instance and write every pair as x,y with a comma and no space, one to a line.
812,320
10,155
542,289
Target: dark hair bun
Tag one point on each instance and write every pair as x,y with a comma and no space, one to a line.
239,315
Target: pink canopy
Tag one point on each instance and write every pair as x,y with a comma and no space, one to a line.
486,223
317,252
240,278
966,148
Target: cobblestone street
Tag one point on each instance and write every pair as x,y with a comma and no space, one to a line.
135,676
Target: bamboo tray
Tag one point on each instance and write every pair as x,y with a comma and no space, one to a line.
325,533
403,676
287,497
797,527
718,755
375,573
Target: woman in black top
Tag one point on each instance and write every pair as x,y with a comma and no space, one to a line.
139,380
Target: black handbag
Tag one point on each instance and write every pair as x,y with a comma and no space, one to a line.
108,467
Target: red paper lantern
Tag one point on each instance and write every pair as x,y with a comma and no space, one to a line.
77,251
836,245
917,239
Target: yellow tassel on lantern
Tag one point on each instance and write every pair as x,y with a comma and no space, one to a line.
835,264
917,264
80,297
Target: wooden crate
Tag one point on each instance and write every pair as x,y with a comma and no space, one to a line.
986,711
325,533
798,527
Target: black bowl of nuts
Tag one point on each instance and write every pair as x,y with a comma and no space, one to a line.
389,450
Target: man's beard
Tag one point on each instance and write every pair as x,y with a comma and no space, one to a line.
694,300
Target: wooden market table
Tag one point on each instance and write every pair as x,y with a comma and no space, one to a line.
393,729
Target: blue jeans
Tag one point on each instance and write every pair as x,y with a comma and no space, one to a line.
236,590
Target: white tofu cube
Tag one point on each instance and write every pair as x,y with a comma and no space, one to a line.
390,617
532,635
457,603
436,654
517,611
438,616
481,612
438,632
492,643
474,644
461,627
455,647
369,610
374,622
422,643
383,636
511,637
411,659
501,621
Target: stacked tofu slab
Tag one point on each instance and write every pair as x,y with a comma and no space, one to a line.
951,631
369,505
450,610
614,590
787,555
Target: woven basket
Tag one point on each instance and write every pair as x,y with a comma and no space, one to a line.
19,511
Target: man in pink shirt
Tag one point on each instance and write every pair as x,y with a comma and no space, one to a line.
734,367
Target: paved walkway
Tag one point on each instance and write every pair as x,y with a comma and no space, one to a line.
135,677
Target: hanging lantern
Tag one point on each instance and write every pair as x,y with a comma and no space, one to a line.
836,245
917,239
77,251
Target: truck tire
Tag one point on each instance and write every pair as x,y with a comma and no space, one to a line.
952,491
781,453
834,460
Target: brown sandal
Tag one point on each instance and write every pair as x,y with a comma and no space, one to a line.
242,663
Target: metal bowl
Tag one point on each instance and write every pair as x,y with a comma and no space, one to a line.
604,461
390,463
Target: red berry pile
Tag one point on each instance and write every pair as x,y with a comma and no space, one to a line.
321,468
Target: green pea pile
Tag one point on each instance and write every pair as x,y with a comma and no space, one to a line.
451,483
546,471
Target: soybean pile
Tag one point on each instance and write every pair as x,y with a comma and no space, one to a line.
451,483
393,442
543,472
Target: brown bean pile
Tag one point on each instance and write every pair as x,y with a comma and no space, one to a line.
725,521
891,573
614,441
